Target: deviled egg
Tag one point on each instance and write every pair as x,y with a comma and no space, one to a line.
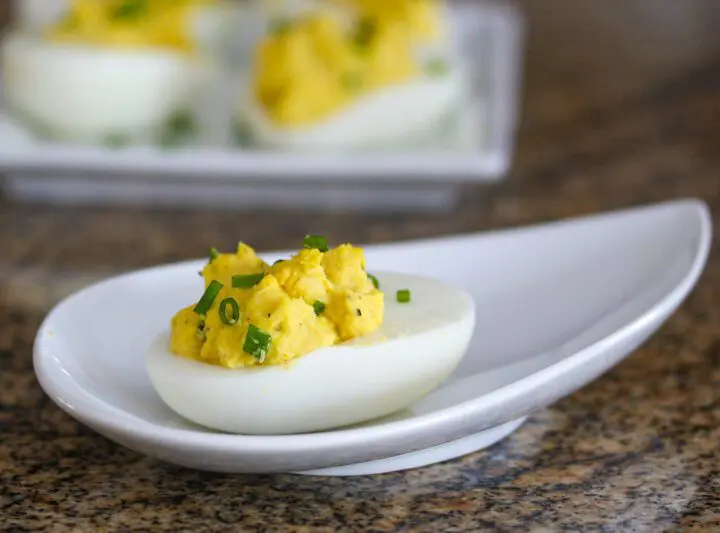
346,77
117,67
310,343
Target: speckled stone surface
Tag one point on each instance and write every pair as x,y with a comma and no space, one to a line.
621,109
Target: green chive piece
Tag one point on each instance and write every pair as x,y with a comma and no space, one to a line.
403,296
214,254
279,26
437,67
242,133
179,128
116,140
235,311
374,280
182,121
319,308
208,297
130,9
245,281
257,343
316,241
364,33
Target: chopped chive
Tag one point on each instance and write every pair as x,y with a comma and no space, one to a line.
437,67
116,140
374,280
279,26
403,296
182,121
130,9
364,33
319,308
257,343
245,281
208,297
242,133
234,307
214,254
316,241
180,127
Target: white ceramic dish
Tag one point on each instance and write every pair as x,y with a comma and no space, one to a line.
477,147
557,305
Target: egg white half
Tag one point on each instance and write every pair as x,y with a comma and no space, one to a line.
384,117
418,346
85,92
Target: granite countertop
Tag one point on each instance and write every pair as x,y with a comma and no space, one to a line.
621,108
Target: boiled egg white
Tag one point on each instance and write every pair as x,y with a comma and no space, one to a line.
417,347
380,118
87,92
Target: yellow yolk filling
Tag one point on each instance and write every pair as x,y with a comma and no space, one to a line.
129,24
308,69
283,305
420,19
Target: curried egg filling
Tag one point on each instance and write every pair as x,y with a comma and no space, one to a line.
307,69
255,314
128,24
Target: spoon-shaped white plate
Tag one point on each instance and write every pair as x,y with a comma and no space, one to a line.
557,305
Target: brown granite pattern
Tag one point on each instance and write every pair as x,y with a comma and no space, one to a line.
622,107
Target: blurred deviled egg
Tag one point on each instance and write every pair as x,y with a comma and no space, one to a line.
111,67
353,73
